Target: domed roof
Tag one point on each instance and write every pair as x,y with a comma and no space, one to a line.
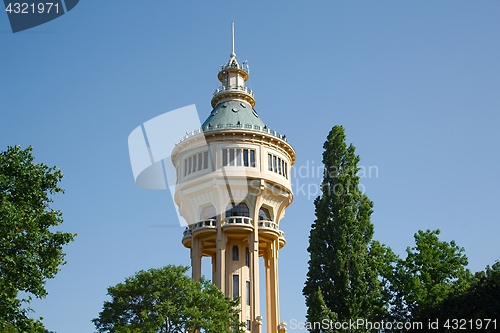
233,114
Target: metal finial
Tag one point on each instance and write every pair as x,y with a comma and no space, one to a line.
233,55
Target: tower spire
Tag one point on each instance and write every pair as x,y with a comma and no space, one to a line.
233,55
233,77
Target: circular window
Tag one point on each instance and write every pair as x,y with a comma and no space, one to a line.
255,113
235,110
243,105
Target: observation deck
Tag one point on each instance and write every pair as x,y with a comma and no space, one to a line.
267,229
247,127
238,88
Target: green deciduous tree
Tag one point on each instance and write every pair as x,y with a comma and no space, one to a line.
30,253
477,309
432,271
344,279
165,300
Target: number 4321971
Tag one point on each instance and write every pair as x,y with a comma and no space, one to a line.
26,8
463,324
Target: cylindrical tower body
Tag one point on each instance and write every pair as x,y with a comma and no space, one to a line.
233,186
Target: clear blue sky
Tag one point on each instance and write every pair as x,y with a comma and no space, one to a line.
415,84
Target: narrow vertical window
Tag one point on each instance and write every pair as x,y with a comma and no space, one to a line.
185,167
248,292
236,286
252,158
286,170
279,165
199,161
194,163
189,164
238,157
245,157
224,157
274,164
235,253
231,157
247,257
248,325
269,162
205,160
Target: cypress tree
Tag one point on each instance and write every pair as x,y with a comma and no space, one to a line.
343,280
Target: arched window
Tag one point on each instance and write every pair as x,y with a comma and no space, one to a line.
236,253
240,209
208,213
264,214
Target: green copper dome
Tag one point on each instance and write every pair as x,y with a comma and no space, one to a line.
233,114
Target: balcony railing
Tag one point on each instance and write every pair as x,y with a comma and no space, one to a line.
187,232
233,220
205,223
234,64
212,223
256,128
238,220
271,225
268,224
232,88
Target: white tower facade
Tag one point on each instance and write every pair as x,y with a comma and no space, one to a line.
233,186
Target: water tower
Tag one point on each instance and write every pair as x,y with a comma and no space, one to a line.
233,186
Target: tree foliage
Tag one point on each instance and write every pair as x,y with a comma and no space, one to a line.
30,253
480,302
165,300
351,277
345,266
432,271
